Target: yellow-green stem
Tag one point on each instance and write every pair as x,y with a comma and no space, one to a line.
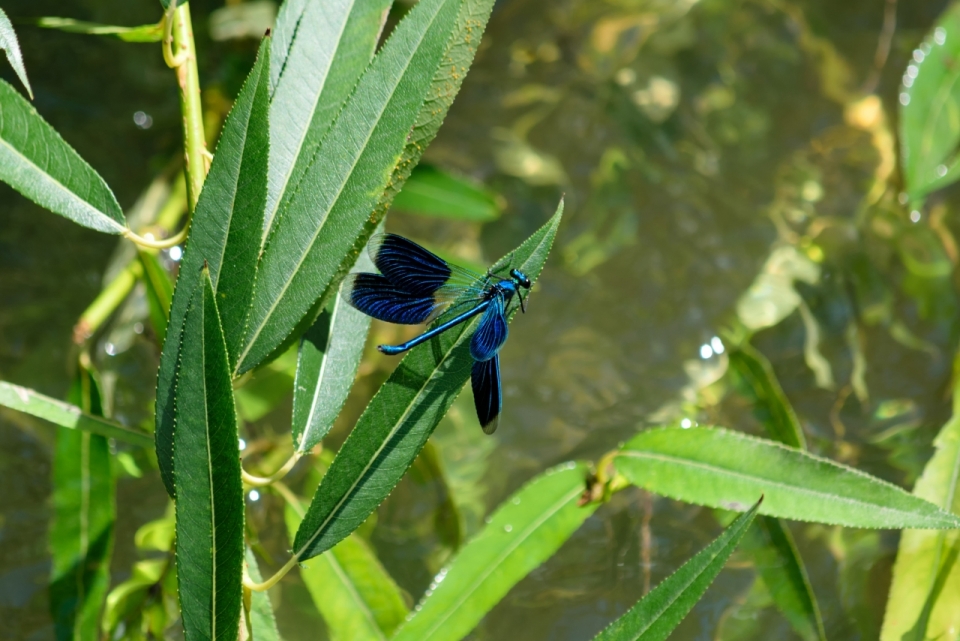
194,148
106,302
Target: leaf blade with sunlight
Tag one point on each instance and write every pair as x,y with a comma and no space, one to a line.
38,163
399,419
720,468
527,529
656,615
11,47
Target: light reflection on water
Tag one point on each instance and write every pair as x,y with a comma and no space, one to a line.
677,137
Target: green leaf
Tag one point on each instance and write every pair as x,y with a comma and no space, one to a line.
526,530
66,415
261,624
924,598
267,387
775,555
432,192
209,491
930,110
142,33
11,47
755,379
400,418
319,51
327,362
81,533
353,592
394,112
224,235
719,468
38,163
159,290
655,616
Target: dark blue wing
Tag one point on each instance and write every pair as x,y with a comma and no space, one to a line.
491,332
376,296
409,266
487,397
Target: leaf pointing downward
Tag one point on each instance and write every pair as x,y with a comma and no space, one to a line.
400,418
11,46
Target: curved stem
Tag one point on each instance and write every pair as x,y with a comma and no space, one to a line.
172,61
165,243
260,481
272,581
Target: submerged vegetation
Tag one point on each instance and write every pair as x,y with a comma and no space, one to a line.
734,393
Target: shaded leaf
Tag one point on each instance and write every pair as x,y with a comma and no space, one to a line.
262,625
81,532
756,380
11,47
526,530
775,555
267,387
930,110
318,53
432,192
353,592
719,468
207,463
327,362
38,163
142,33
224,235
66,415
159,290
144,603
377,138
400,418
655,616
924,598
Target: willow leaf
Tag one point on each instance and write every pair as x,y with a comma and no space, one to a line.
376,140
400,418
319,52
327,362
159,290
84,511
224,235
924,598
209,503
141,33
358,600
656,615
66,415
261,623
526,530
719,468
38,163
930,110
432,192
11,47
757,381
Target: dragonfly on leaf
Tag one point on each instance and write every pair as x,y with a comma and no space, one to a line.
416,286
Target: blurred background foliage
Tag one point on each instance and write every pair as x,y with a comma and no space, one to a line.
732,176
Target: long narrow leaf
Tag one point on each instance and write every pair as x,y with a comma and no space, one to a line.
775,555
159,290
757,381
400,418
209,492
718,468
353,592
432,192
66,415
924,598
225,235
656,615
141,33
81,533
320,50
38,163
374,143
526,530
11,47
327,363
261,623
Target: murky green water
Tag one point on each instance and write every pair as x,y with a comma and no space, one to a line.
690,139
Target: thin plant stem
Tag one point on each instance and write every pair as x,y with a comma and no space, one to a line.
272,581
181,54
260,481
106,302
